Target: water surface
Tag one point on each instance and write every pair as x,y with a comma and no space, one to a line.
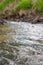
21,43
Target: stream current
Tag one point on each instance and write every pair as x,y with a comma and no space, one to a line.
21,43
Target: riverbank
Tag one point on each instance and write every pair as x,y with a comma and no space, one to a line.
23,16
24,10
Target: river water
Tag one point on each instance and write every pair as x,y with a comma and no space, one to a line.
21,43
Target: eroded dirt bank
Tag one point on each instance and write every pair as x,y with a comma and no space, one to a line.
29,15
23,16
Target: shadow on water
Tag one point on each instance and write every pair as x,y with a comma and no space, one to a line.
21,43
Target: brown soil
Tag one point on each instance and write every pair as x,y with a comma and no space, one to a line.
23,15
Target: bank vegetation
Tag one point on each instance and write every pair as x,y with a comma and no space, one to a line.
30,7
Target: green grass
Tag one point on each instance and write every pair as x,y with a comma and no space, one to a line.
4,3
27,4
39,6
24,4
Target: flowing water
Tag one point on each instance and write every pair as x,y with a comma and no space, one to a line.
21,43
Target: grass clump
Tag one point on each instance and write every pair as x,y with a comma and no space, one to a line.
39,6
24,4
4,3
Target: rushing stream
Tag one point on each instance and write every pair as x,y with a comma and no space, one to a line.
21,43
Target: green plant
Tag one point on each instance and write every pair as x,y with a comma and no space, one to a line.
39,6
4,3
24,4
